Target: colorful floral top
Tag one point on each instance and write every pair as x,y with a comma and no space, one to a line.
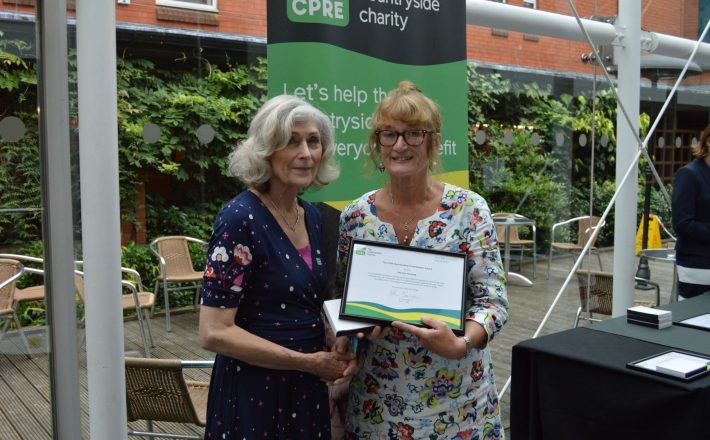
404,391
253,266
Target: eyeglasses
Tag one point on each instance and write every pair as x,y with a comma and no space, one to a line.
413,138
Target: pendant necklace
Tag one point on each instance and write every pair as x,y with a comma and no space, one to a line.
278,209
405,224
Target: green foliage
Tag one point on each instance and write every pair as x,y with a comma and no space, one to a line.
554,175
507,172
179,102
194,221
19,161
20,177
140,258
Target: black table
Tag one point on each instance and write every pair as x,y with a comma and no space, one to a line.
575,385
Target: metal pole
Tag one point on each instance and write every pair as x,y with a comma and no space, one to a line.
644,270
548,24
627,55
57,229
98,136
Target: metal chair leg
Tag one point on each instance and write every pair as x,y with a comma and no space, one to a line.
534,254
167,305
155,292
599,257
19,330
150,330
141,323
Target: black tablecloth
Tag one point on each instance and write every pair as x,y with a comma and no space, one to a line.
575,385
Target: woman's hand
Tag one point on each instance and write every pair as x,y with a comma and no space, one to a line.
438,338
344,345
377,332
329,365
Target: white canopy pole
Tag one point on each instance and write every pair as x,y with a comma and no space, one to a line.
549,24
628,56
98,149
57,227
534,21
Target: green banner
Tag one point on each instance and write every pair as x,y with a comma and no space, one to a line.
344,56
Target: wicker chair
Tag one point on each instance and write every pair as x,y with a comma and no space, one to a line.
516,243
10,271
596,294
31,293
137,300
156,390
585,228
176,268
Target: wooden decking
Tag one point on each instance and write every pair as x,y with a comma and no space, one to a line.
25,404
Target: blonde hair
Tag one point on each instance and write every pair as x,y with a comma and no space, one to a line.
408,104
701,148
270,131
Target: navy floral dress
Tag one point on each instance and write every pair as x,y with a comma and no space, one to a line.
253,266
403,391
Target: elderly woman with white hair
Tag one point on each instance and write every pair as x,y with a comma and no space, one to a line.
264,284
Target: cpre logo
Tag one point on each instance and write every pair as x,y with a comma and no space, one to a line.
331,12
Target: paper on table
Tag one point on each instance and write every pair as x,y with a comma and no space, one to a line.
682,367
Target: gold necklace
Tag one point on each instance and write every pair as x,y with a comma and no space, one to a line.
405,224
283,216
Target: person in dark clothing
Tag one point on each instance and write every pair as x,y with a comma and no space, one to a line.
265,283
691,221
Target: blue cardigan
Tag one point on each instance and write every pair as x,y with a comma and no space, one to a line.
691,213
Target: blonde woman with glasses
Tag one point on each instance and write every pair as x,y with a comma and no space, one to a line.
425,382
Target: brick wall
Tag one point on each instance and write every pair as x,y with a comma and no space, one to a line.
248,17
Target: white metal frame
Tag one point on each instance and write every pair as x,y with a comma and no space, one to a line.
211,5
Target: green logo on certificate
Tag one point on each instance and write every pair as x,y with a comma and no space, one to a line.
361,251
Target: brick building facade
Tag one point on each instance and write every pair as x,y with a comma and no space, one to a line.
248,18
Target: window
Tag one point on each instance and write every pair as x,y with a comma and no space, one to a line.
199,5
532,4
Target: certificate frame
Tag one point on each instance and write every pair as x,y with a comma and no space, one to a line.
388,282
695,322
648,364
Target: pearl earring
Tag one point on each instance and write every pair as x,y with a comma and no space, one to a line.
381,167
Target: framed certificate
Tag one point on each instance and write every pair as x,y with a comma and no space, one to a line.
701,322
675,364
386,282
